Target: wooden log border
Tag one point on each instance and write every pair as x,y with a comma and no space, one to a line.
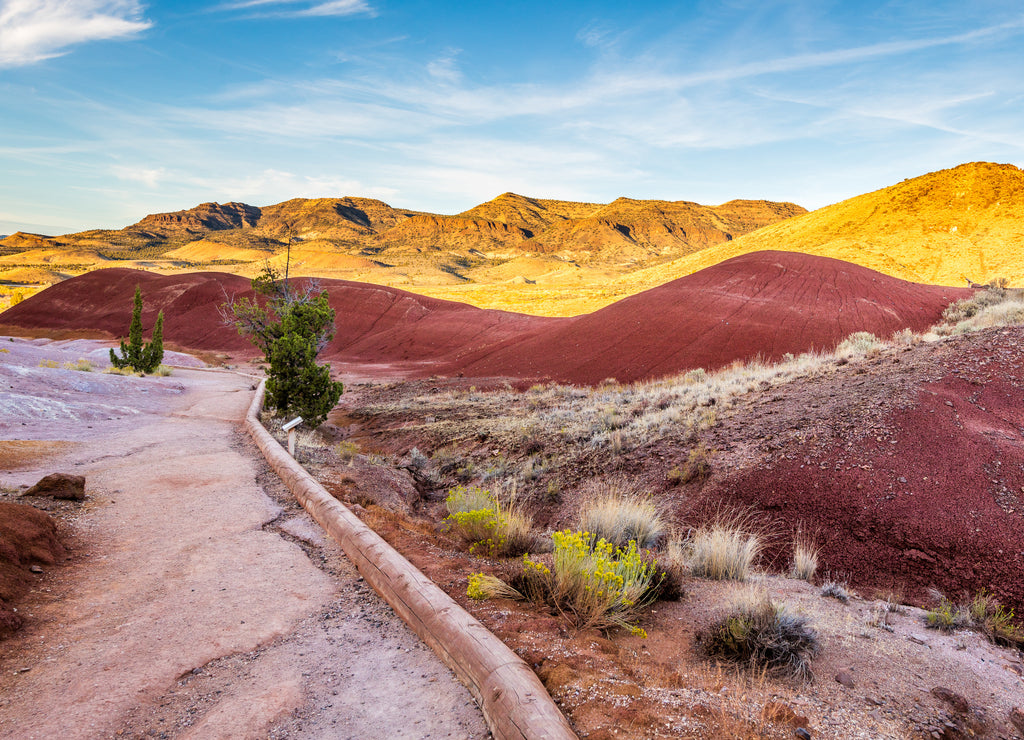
514,702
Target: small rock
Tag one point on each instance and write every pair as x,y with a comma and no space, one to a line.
844,678
60,485
959,703
803,732
1017,718
35,569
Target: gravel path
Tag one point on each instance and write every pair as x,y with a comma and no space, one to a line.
200,601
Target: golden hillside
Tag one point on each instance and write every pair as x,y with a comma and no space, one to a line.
527,254
944,228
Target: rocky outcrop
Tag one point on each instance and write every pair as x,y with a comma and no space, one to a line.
59,485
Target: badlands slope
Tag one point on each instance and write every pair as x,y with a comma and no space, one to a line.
764,304
942,228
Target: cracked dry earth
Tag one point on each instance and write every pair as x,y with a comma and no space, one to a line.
198,599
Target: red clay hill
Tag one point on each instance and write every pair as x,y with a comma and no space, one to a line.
761,304
766,303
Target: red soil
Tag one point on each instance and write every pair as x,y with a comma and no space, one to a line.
930,494
27,537
767,304
375,324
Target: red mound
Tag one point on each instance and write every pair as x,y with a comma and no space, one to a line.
27,537
765,303
375,325
936,498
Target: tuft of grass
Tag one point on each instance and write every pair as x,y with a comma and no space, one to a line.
619,514
125,371
592,582
723,550
162,371
83,366
859,344
805,559
48,363
764,636
697,467
482,586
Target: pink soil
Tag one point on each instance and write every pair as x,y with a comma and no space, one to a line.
767,304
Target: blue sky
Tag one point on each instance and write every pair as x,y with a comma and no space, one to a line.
112,109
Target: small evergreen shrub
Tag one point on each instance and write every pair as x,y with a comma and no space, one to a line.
136,355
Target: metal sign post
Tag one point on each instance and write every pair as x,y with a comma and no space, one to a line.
290,428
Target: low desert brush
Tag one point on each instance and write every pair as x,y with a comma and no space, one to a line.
723,550
592,582
947,616
346,450
478,517
836,590
619,514
764,636
82,365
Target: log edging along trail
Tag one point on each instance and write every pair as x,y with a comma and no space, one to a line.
514,702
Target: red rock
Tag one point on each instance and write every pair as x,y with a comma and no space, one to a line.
59,485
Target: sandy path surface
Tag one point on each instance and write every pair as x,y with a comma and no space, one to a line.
200,601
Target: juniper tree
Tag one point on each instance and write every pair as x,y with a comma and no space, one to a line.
139,356
290,329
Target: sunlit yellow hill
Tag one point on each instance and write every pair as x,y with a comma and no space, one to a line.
946,227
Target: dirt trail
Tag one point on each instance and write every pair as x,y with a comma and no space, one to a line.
197,605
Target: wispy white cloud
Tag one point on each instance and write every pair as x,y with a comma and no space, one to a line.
303,8
446,67
34,30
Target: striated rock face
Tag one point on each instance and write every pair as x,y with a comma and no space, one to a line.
204,217
625,230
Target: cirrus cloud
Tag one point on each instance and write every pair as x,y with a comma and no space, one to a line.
34,30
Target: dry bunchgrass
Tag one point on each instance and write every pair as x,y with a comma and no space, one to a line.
725,549
620,513
805,558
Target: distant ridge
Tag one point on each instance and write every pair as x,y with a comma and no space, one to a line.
942,228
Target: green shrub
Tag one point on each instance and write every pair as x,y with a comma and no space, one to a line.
764,636
947,616
136,355
592,582
479,519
